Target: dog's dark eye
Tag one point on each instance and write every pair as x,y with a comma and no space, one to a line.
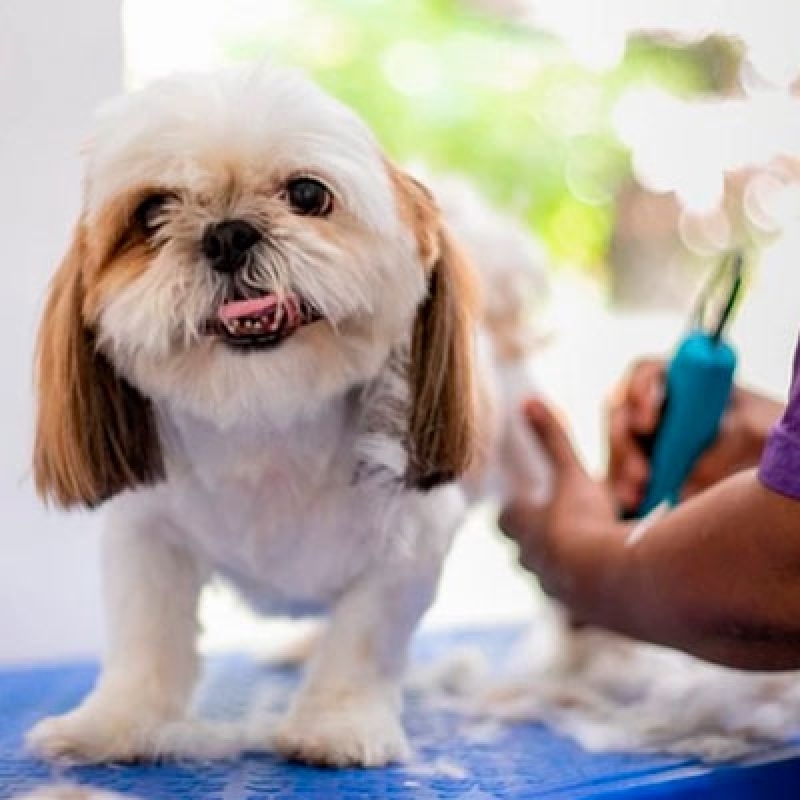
149,214
309,197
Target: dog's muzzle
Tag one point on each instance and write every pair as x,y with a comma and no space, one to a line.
260,322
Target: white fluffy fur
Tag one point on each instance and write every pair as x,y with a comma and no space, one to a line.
282,466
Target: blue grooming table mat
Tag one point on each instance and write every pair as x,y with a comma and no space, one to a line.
525,761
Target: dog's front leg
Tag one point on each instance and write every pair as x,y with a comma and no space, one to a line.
348,711
138,707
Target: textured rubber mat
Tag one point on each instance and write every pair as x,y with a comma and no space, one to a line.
523,761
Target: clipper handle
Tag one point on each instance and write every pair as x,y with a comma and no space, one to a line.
699,382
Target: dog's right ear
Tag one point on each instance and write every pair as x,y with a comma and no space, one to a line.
95,434
443,424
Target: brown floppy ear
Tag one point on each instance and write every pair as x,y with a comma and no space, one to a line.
95,434
443,407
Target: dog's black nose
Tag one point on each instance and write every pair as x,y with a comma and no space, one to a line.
227,243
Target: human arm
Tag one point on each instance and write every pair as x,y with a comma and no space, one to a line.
718,577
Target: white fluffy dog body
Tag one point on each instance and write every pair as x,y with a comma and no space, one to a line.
259,351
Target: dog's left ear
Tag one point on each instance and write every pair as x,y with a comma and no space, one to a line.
443,422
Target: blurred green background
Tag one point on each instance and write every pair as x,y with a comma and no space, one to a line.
504,104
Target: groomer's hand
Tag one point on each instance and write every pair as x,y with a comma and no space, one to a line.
556,538
717,577
635,411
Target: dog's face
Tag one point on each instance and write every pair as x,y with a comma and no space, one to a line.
245,252
258,261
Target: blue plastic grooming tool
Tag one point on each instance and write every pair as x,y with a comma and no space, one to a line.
699,382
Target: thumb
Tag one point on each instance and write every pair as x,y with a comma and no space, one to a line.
521,519
553,437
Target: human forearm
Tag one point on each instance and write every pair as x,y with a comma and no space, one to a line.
719,577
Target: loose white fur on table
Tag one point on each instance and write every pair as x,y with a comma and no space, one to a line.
612,694
290,471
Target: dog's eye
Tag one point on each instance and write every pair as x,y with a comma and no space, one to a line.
309,197
149,214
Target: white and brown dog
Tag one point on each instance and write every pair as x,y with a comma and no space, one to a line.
260,351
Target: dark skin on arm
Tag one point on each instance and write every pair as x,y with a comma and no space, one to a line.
718,577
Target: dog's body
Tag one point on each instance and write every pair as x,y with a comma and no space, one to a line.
247,500
285,516
290,414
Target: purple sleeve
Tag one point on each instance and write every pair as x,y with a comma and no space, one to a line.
780,464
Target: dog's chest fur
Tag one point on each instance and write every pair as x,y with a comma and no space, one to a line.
279,511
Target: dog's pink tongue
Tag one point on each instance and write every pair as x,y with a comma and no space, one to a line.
256,307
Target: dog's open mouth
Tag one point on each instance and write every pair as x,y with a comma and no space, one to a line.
260,322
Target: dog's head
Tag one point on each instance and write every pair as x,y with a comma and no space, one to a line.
245,252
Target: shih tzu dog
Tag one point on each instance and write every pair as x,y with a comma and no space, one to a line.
260,352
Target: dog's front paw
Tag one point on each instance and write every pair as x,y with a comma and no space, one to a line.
84,737
357,732
90,737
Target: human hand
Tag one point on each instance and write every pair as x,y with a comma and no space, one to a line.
552,538
634,417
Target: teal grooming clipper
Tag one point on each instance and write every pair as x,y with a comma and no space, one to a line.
699,382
